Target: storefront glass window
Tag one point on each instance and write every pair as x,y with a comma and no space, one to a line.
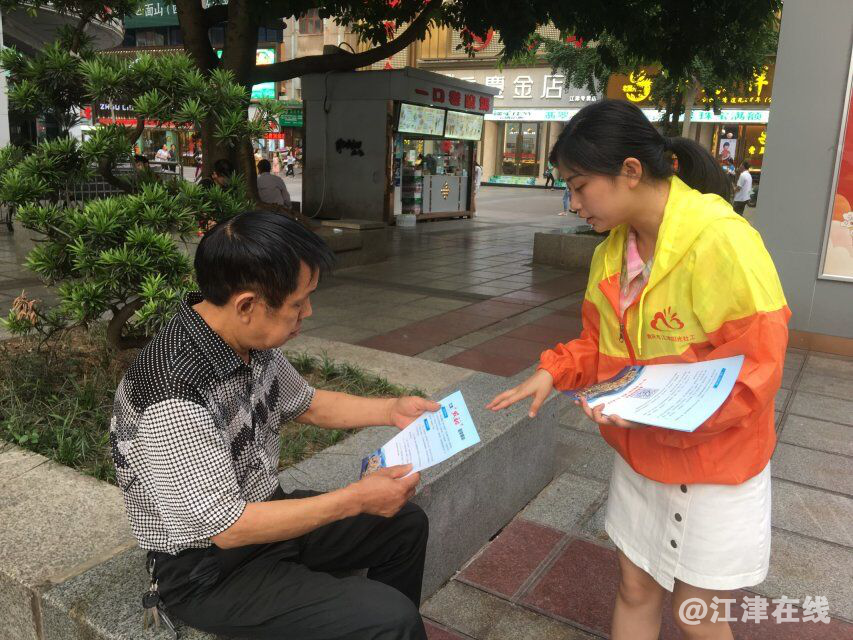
151,37
437,157
310,22
521,144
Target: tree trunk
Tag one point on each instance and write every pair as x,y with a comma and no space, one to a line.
116,325
238,55
689,101
241,43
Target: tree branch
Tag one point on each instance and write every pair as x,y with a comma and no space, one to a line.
134,134
105,169
105,164
280,71
78,31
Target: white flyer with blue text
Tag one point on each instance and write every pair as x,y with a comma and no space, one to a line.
432,438
673,396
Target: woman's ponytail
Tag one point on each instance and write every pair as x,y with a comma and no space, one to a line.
697,168
599,138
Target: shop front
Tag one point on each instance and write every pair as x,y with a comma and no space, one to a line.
291,124
433,161
531,107
382,143
182,143
736,132
739,131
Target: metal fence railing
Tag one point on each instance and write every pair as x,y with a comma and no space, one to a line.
100,188
75,195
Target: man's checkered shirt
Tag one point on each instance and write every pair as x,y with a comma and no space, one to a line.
195,432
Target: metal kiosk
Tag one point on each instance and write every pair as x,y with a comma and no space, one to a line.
382,143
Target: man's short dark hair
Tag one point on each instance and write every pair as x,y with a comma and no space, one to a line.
264,166
745,164
257,251
140,159
223,167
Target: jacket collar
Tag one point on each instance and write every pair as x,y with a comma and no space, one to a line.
686,215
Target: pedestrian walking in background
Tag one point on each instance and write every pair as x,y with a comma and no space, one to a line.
477,179
743,191
567,199
549,176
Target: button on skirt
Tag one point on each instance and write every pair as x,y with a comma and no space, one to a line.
710,536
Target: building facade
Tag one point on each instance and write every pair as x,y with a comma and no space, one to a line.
535,102
28,30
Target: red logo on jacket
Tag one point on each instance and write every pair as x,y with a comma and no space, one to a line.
669,319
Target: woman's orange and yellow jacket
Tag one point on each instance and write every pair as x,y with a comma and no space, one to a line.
713,292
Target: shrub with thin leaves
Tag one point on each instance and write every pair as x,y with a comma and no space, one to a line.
123,258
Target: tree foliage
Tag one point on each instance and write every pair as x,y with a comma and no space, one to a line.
119,257
745,35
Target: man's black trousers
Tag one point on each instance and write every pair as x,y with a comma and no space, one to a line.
284,590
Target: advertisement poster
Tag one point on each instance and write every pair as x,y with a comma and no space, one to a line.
417,119
837,261
463,126
728,146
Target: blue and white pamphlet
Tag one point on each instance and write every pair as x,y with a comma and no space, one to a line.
432,438
673,396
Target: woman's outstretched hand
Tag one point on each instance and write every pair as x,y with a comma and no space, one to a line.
539,385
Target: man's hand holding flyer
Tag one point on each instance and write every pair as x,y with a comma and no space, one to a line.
432,438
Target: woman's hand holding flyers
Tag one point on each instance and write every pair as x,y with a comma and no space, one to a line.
595,414
539,385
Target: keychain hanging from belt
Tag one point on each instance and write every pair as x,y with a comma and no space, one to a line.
151,603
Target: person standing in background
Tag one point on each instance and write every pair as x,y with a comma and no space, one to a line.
743,192
291,165
475,184
549,176
162,154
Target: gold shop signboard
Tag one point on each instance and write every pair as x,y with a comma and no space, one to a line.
636,87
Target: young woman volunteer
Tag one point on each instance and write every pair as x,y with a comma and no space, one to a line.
680,278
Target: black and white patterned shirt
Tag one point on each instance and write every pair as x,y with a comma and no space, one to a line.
195,432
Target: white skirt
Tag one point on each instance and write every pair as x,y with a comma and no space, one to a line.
711,536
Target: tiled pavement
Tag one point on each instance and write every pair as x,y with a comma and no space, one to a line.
464,293
552,573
